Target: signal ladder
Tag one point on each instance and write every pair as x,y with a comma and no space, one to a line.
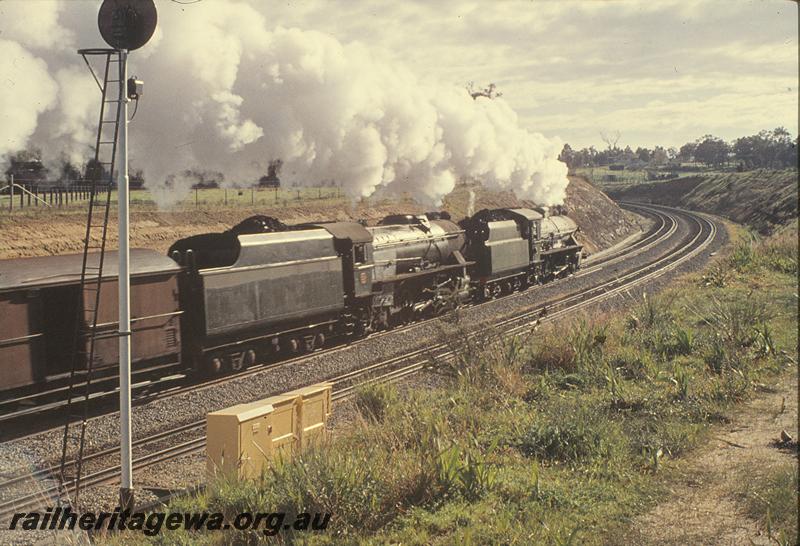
112,90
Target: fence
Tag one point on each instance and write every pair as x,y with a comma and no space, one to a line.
47,195
21,195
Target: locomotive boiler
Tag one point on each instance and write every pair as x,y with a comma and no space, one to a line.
418,265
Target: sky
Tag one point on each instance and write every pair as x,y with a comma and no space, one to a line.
372,95
659,72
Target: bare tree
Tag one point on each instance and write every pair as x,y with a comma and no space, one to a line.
490,92
610,138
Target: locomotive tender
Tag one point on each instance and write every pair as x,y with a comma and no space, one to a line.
222,301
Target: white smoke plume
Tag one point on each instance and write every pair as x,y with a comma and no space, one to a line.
471,203
225,91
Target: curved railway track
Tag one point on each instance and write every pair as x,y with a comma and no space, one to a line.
21,411
189,438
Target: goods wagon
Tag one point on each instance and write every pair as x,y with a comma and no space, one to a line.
41,309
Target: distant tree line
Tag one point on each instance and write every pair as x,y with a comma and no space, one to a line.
768,149
27,167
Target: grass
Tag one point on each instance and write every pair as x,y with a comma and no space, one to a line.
772,501
558,438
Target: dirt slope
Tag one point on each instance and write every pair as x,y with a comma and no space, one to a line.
762,199
38,233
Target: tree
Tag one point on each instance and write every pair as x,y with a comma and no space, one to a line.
272,180
68,172
610,138
26,166
567,155
767,149
490,92
94,171
687,151
643,154
659,156
711,150
136,179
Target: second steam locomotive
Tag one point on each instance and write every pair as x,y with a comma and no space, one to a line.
223,301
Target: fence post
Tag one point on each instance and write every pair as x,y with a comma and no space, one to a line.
11,194
276,194
21,197
195,198
252,196
226,196
29,195
298,195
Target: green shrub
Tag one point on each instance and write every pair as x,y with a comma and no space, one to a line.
684,341
633,364
373,401
569,432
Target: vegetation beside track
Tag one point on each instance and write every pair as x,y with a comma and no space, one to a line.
560,437
762,199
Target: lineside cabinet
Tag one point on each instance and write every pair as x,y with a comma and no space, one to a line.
243,439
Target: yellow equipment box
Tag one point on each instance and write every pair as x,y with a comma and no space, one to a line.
242,439
314,412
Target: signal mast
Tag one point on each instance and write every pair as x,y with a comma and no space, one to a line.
125,25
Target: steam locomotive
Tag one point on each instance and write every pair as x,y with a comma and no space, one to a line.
222,301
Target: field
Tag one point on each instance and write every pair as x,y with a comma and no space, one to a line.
40,230
208,198
571,436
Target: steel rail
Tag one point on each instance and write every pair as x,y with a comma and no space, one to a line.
630,280
655,236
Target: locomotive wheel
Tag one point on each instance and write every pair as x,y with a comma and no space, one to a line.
293,345
249,358
319,340
215,365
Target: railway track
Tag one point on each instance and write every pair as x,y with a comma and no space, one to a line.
21,412
99,472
